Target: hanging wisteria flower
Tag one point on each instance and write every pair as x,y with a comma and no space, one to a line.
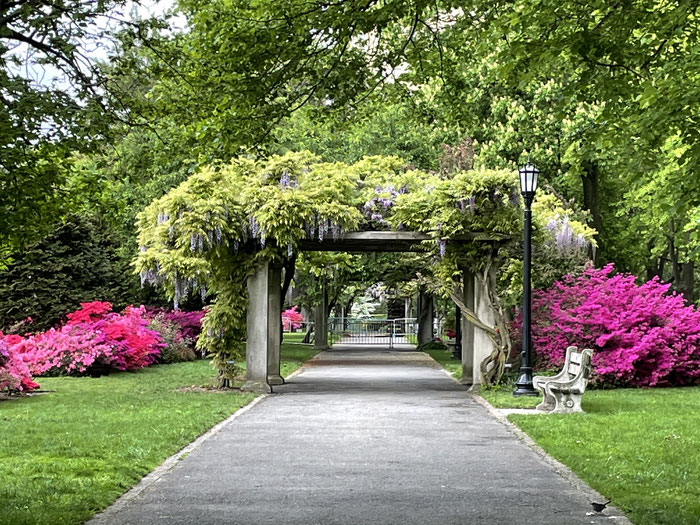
565,239
254,227
284,179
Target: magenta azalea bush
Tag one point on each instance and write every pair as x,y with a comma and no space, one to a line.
14,374
641,335
292,319
68,350
94,339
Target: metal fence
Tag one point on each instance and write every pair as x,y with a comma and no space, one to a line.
381,332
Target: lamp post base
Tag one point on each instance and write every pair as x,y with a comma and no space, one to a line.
524,383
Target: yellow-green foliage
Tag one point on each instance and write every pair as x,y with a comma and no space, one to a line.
208,234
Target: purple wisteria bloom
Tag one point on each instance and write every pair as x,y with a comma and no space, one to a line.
442,244
284,180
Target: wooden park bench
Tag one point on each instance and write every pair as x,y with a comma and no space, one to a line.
563,392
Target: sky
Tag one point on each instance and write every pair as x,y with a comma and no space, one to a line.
94,50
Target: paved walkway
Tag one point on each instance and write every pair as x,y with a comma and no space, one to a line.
362,437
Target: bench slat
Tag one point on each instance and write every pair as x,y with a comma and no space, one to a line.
574,369
576,357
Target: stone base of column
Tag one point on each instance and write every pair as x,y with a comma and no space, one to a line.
468,381
275,380
259,387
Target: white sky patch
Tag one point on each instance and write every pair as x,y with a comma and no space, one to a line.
95,47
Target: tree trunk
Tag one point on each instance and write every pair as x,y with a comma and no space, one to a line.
289,268
687,278
655,267
687,284
591,201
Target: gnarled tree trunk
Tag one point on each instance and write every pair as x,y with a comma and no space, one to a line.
493,365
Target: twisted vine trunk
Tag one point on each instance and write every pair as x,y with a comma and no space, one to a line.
493,365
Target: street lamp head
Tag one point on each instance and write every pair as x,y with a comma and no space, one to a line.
528,180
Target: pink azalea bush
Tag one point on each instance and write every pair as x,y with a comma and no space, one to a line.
292,319
68,350
93,339
14,374
641,335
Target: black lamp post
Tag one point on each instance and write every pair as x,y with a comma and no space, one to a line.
528,187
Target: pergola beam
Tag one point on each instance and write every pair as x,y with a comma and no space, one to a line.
386,241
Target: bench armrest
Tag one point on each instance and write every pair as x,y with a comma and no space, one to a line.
539,381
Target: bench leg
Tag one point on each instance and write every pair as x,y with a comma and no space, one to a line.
548,402
567,402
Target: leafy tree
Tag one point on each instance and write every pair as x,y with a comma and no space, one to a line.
55,100
76,263
388,122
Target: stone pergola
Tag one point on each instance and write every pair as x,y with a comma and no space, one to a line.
264,323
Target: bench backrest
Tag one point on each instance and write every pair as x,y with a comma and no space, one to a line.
577,360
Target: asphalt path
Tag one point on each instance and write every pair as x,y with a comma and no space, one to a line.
361,436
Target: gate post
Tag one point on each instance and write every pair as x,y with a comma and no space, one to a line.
468,332
425,317
321,326
258,331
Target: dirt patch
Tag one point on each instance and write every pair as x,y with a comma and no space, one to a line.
207,389
4,396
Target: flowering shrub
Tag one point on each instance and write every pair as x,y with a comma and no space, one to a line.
641,335
89,312
291,319
14,374
137,345
189,323
177,348
94,339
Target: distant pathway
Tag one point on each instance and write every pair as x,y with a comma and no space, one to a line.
362,437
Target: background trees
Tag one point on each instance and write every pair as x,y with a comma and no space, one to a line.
601,97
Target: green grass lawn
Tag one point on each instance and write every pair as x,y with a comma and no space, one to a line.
70,453
449,363
293,337
502,397
638,447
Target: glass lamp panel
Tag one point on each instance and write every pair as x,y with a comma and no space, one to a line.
528,178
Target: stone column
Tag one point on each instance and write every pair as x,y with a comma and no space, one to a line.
468,333
321,322
258,328
425,317
274,327
483,345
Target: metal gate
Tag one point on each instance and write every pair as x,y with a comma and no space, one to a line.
380,332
